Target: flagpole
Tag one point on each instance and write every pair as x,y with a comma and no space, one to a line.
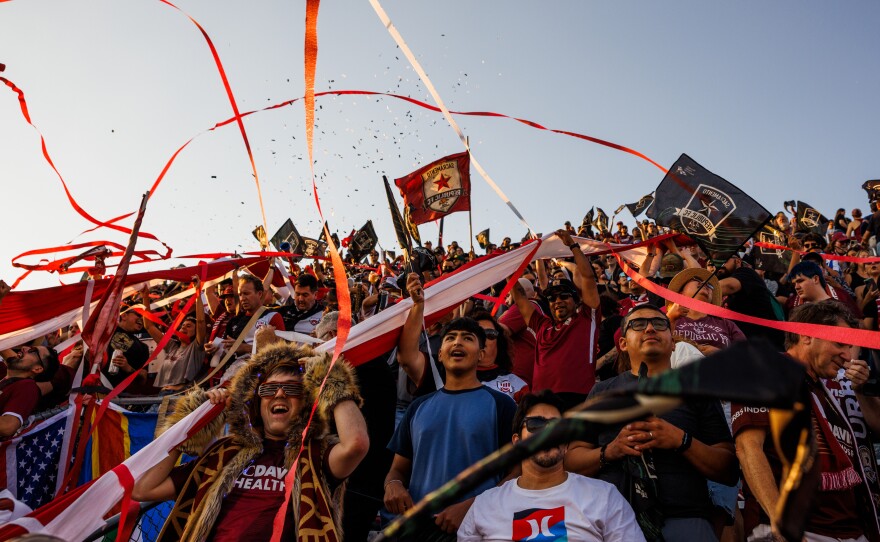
440,237
467,142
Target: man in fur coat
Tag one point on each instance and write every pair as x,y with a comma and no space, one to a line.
234,489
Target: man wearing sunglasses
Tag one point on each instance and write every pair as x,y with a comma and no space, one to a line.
546,502
566,341
236,486
679,450
19,392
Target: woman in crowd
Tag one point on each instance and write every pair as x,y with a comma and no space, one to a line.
184,355
709,333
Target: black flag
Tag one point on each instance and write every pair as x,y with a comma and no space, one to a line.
810,220
714,213
771,260
873,190
287,239
588,219
363,241
639,207
313,247
601,221
411,226
397,220
483,238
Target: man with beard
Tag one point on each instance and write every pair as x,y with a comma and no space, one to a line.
305,314
19,392
134,353
545,502
566,341
250,296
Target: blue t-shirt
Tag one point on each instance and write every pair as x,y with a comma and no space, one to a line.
445,432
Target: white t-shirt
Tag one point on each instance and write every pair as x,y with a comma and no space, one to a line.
581,508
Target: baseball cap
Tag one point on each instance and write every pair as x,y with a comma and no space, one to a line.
227,292
561,286
670,265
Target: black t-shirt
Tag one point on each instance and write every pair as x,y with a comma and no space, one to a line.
754,299
682,489
136,353
236,325
291,315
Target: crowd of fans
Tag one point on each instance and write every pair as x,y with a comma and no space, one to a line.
398,427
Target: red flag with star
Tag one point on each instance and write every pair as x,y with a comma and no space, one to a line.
438,189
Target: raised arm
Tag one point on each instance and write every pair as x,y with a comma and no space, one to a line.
200,313
584,278
151,328
410,358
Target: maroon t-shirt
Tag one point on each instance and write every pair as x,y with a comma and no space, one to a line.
834,513
566,352
248,511
711,330
18,398
523,342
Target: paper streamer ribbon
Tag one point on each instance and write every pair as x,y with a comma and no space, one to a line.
433,91
342,294
850,259
845,335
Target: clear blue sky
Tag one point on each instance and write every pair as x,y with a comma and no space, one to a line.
779,98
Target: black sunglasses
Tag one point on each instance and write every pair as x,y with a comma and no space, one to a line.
641,324
24,350
289,389
565,296
491,334
810,245
536,423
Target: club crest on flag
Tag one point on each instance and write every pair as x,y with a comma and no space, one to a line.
441,186
437,189
705,211
772,238
811,218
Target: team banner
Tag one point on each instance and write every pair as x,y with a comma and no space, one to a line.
364,241
771,260
313,248
640,206
809,219
587,222
287,238
601,221
716,214
397,219
438,189
483,238
411,226
873,189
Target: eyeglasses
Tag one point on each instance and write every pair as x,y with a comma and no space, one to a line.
564,296
289,389
641,324
25,350
809,246
491,334
536,423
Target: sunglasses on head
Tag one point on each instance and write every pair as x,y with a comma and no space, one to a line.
491,334
641,324
562,295
536,423
289,389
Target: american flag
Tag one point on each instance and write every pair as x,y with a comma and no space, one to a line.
29,462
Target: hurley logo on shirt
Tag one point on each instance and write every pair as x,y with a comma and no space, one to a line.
537,525
262,477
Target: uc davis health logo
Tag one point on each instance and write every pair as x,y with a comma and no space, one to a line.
539,525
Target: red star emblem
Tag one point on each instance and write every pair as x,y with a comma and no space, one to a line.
442,182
